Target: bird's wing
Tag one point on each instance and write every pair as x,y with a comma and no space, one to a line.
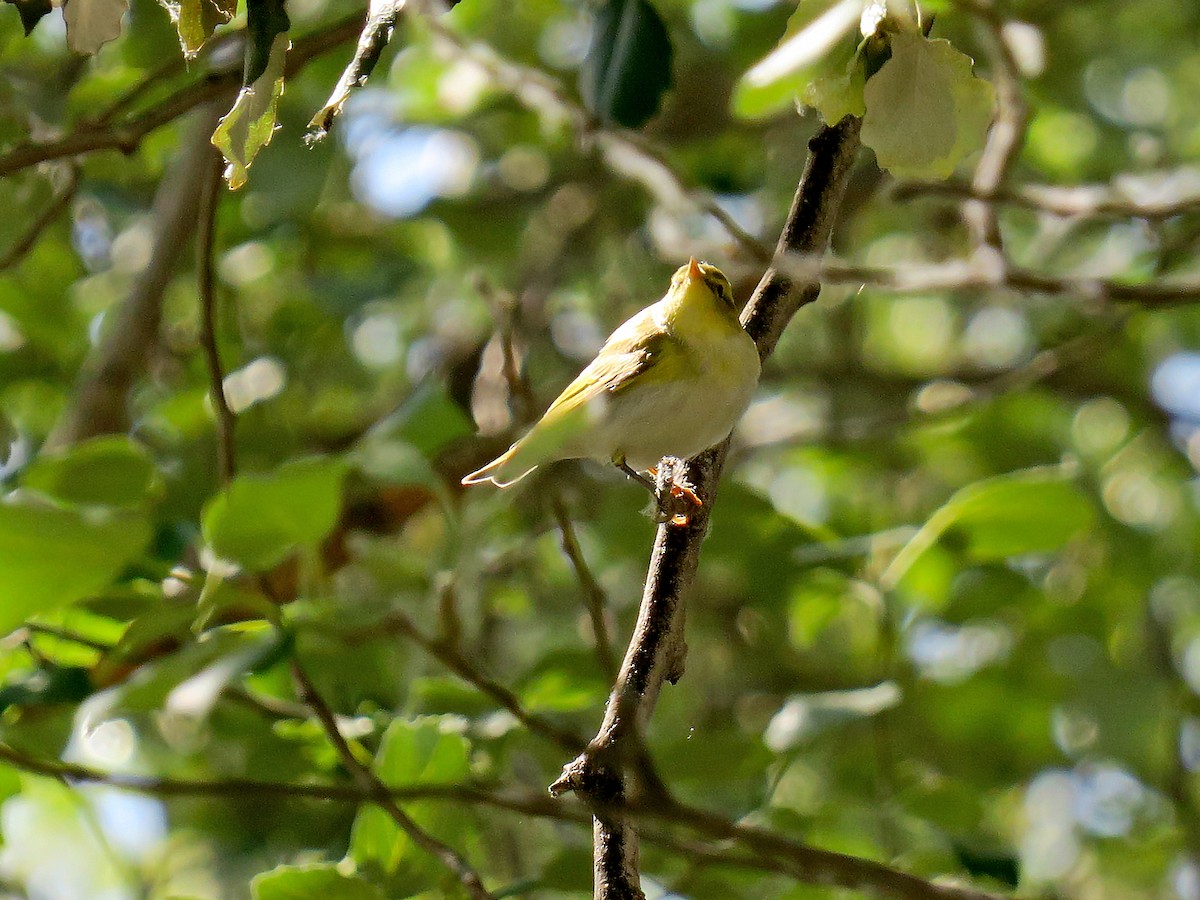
632,351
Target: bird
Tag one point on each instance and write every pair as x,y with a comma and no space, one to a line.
671,381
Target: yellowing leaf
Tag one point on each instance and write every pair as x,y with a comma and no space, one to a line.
837,96
925,109
93,23
249,125
195,20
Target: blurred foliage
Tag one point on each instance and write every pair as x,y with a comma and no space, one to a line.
949,613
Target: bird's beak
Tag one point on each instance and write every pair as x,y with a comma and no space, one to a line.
694,273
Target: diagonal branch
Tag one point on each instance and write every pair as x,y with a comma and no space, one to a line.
381,796
98,403
656,650
127,135
210,198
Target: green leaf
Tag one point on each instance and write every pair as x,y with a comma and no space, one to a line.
93,23
250,124
838,96
628,66
51,557
317,880
817,44
424,751
195,20
105,471
259,519
428,421
925,109
1032,511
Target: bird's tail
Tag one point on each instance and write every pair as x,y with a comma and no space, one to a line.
505,470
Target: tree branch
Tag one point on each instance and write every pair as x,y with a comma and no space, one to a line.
656,650
379,794
98,404
127,135
398,622
757,849
55,208
978,275
593,595
210,197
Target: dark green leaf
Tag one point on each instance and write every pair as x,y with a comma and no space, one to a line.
31,12
628,67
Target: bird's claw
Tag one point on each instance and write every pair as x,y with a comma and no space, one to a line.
677,499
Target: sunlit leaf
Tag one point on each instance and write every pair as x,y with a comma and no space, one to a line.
804,716
259,519
51,557
250,124
803,56
925,109
1032,511
195,20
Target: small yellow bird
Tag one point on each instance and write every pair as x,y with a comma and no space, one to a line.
672,381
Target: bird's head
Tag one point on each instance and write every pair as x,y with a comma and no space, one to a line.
701,278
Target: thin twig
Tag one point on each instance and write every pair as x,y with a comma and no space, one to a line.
760,850
55,208
594,597
978,276
538,91
1090,201
398,622
380,795
1006,136
127,135
98,403
210,201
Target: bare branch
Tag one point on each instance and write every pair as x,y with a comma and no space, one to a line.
978,275
398,622
127,135
380,795
593,595
757,849
55,208
1006,136
210,198
98,403
656,650
1089,201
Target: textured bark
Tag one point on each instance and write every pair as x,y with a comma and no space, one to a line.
613,765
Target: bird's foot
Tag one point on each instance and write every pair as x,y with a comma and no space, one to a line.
675,498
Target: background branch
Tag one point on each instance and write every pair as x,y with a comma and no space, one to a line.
99,401
380,795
